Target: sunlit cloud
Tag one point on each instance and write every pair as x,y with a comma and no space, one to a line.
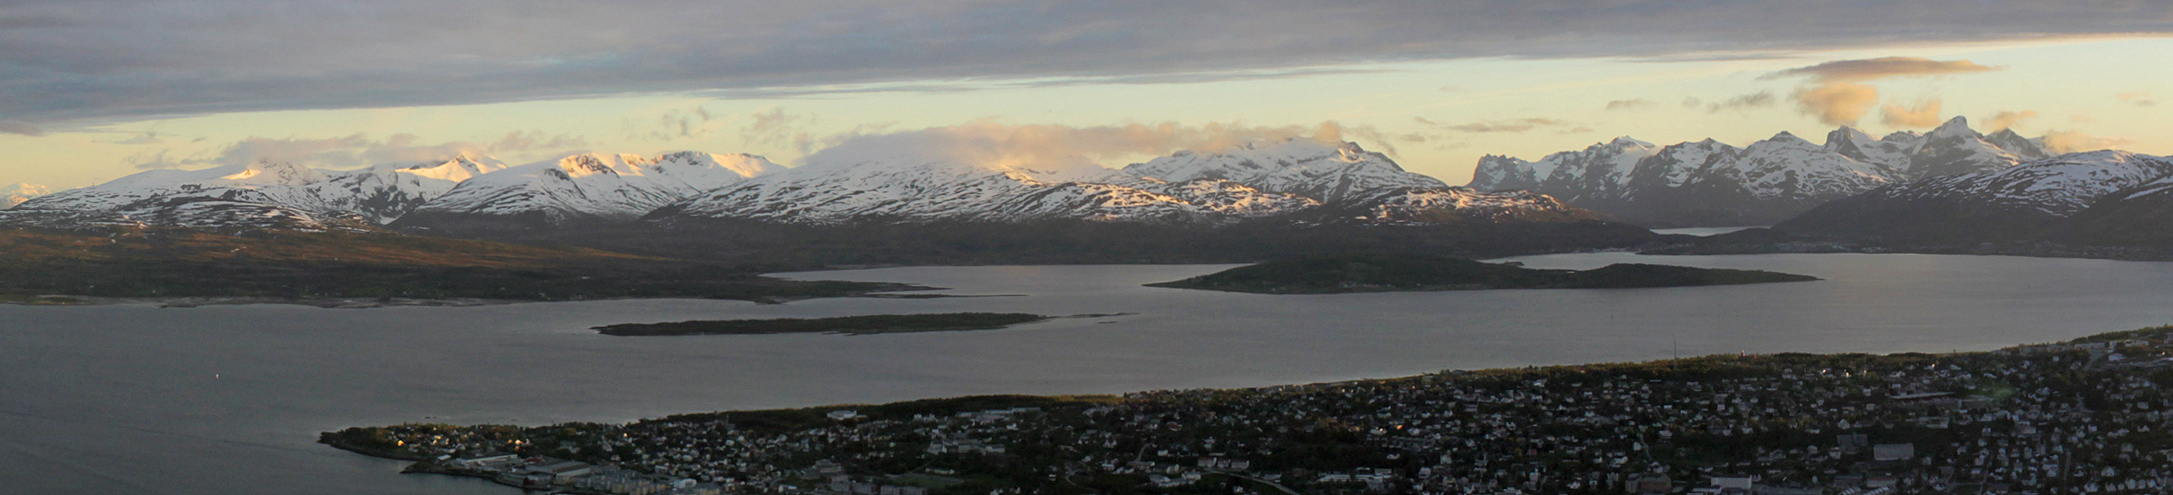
2009,119
992,144
1923,114
1881,68
1837,94
2074,142
1836,103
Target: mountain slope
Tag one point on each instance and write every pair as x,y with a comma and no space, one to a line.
1323,171
2026,201
583,188
258,195
2141,215
1707,183
1300,180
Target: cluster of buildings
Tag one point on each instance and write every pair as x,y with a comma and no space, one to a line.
2083,418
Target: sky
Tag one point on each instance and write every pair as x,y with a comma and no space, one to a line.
91,90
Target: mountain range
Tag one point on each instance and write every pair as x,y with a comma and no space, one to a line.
2099,198
1293,179
1949,186
1296,180
1708,183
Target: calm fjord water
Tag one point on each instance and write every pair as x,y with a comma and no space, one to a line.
217,400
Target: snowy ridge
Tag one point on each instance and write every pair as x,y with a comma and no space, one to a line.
1788,167
1323,171
2111,192
258,195
1332,181
2057,186
1254,181
1459,204
1707,183
590,187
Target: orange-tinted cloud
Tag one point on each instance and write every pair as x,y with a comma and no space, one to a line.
1880,68
1924,114
1837,103
2072,142
2007,119
1837,94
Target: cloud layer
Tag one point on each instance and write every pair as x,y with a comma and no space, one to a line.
1837,93
357,150
1059,149
72,60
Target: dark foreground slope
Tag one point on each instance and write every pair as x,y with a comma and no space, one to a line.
1402,272
320,267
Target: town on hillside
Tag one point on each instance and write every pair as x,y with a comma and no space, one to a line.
2081,417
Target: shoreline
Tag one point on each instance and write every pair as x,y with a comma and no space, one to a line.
2098,353
375,302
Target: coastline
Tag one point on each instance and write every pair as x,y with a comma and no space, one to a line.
1895,398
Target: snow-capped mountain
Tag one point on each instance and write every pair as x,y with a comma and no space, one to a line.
1707,183
1406,206
2027,199
1286,178
15,194
258,195
1304,167
585,188
919,189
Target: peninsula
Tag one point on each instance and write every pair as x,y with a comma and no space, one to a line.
848,325
1416,272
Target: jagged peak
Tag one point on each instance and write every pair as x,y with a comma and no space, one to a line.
1785,137
1618,140
1957,126
1846,133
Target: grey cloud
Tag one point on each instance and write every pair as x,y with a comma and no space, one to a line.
1881,68
1630,104
1510,126
2137,98
146,137
1759,99
356,150
93,60
20,127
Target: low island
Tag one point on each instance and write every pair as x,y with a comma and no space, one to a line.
1414,272
848,325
